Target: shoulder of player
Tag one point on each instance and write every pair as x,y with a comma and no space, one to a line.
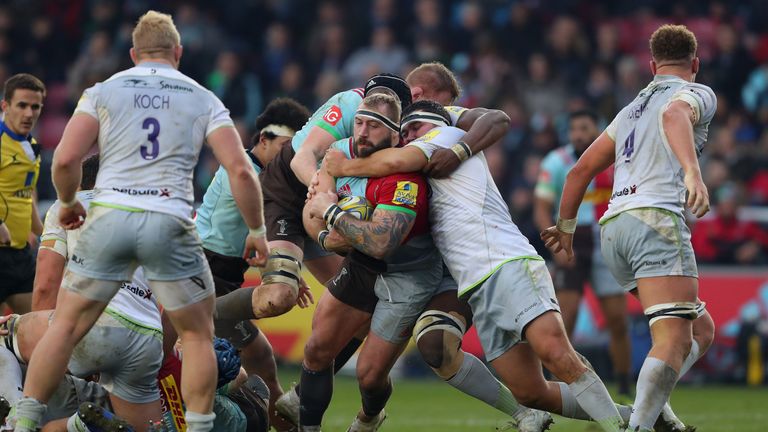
413,177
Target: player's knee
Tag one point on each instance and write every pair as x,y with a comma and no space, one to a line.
274,299
317,356
704,330
438,336
371,378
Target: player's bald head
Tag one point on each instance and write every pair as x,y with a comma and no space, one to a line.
155,34
433,81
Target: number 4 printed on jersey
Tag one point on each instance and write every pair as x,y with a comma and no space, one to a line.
629,146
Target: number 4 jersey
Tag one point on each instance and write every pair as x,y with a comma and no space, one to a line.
647,173
153,121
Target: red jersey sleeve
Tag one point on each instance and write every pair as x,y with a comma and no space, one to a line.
405,192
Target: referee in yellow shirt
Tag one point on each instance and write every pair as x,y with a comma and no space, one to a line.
19,168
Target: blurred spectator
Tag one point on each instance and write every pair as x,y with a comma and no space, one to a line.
727,239
383,55
96,63
731,66
239,90
542,93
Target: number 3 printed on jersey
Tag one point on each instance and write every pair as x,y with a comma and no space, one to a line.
629,146
150,152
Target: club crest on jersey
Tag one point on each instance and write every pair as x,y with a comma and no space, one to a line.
344,191
332,115
406,193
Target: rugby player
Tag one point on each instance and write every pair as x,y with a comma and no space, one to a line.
653,143
570,276
395,239
125,344
141,213
508,288
223,232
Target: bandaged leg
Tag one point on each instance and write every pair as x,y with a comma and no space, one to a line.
279,284
438,335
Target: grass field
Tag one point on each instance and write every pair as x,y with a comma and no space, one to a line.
428,405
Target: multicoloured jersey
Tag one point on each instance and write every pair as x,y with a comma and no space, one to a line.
153,121
404,192
471,223
219,223
133,305
647,173
336,116
554,168
19,168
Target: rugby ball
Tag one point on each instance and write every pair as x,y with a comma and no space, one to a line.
357,206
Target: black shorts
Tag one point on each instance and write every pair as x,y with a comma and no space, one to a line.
17,271
573,278
354,284
228,275
284,197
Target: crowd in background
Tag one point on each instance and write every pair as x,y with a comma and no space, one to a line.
537,60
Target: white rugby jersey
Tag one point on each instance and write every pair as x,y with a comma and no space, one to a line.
471,225
153,121
455,112
647,173
133,300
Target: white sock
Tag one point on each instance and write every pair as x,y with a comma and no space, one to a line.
197,422
572,409
474,379
10,377
74,424
654,385
689,361
593,397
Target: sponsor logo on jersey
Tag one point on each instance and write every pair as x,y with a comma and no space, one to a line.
173,399
137,290
406,193
175,87
162,192
345,190
78,260
135,83
332,115
24,193
429,136
631,190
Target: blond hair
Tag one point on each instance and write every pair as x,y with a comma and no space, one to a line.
673,43
390,103
436,77
155,33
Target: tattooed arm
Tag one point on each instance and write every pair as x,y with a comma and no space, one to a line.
379,236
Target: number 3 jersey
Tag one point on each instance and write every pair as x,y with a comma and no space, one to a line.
647,173
153,121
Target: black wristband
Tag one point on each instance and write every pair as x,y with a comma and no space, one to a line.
332,213
321,239
466,147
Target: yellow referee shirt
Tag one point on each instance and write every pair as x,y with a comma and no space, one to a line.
19,169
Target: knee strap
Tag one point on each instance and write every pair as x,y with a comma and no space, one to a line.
11,341
448,360
684,310
282,267
438,320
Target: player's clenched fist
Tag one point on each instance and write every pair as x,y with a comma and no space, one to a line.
72,217
698,197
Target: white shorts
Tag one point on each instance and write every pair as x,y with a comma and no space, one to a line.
511,298
647,242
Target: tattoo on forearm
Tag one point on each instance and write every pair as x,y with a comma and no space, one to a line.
378,237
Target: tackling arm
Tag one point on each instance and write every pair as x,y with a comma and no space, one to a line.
484,127
382,163
304,162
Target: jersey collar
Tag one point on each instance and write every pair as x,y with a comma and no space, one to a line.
254,159
661,78
4,128
156,65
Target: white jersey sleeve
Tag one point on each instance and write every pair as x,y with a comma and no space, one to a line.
455,112
702,100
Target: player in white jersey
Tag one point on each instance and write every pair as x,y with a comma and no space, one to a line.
125,344
497,270
654,142
150,122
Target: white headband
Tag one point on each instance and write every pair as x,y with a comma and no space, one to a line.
279,130
424,116
378,117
